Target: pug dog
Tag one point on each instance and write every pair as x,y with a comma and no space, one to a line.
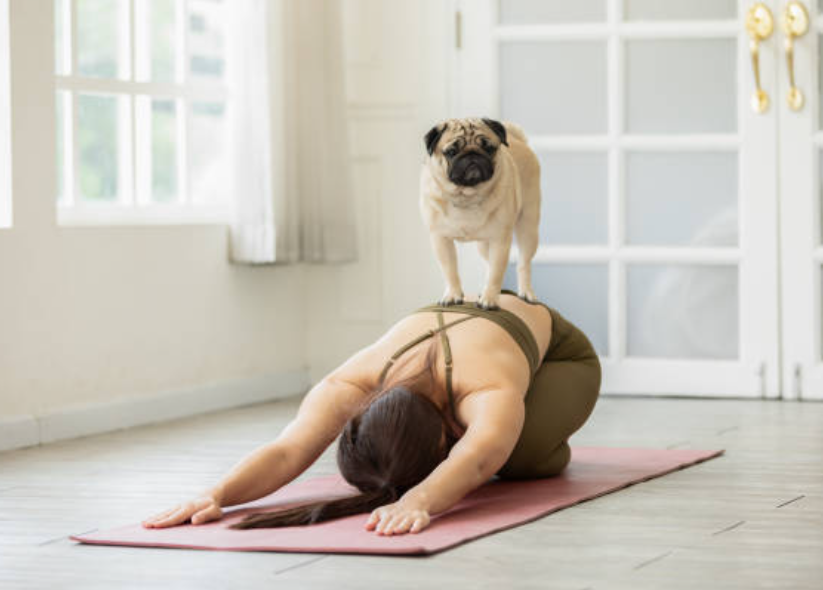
481,182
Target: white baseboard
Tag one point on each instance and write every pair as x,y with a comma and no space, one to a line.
24,431
19,431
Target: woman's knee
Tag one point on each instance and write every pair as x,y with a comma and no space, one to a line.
538,467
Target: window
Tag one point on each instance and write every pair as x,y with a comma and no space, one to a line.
5,125
142,113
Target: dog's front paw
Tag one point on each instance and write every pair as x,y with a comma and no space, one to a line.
489,300
527,295
451,297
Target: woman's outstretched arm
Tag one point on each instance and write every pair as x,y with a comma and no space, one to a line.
496,420
320,418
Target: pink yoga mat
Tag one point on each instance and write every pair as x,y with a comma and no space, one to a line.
495,506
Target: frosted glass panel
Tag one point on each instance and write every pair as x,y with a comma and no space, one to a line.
820,79
574,207
164,150
578,291
101,133
820,194
551,11
62,50
156,47
102,38
206,39
671,10
682,311
683,199
63,106
681,86
556,87
209,159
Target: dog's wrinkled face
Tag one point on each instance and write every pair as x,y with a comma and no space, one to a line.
466,148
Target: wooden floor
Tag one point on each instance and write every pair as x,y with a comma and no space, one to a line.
750,519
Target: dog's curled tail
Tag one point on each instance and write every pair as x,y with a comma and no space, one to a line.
516,131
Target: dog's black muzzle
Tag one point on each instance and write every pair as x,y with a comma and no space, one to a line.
470,169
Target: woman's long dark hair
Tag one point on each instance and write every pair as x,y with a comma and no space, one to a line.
383,451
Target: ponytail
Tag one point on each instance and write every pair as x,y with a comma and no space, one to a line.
319,511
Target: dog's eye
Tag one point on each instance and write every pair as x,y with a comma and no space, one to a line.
486,145
450,152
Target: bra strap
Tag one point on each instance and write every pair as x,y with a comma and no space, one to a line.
447,353
427,334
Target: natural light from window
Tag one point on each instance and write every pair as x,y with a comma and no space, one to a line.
142,119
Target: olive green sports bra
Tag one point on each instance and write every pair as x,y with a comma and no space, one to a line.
509,321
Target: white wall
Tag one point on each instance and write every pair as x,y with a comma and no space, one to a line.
5,123
398,85
100,315
91,316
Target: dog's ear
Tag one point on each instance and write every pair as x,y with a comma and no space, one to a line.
498,129
433,136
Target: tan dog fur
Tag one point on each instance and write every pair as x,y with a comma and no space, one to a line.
490,213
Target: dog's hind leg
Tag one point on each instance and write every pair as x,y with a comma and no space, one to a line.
527,235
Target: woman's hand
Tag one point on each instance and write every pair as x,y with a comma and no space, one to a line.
405,515
199,510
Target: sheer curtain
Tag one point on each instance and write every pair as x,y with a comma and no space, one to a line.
294,198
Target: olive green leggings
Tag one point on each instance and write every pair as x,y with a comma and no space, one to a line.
560,399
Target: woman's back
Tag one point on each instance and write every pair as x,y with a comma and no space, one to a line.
485,355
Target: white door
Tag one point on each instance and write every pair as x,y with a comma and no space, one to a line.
801,142
659,232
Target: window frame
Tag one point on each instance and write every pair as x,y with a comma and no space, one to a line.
134,206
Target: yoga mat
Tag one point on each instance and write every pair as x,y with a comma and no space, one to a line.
495,506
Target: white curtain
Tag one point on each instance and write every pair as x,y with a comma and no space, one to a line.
294,198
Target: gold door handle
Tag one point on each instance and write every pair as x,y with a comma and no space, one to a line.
759,25
795,24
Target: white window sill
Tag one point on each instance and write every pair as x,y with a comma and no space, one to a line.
141,216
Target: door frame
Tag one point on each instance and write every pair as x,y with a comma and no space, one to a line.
801,142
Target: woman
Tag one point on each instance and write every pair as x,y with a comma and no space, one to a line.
418,434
